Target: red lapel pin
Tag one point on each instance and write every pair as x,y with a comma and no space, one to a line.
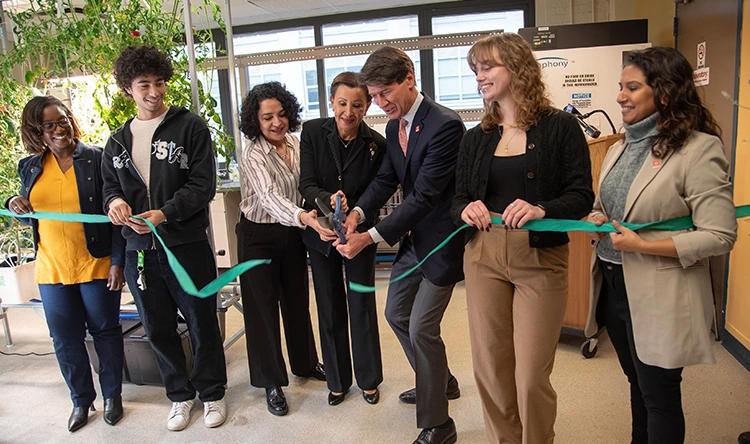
656,164
416,129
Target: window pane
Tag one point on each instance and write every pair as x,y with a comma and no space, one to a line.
447,67
509,21
366,31
331,73
370,30
294,76
311,76
469,88
312,95
274,41
449,62
448,85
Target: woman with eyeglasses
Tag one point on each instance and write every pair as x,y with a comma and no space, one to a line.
79,266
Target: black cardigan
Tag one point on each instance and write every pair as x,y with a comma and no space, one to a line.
558,172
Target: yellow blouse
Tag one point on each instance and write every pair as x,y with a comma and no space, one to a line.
62,257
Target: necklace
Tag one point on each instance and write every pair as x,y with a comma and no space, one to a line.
346,143
286,154
65,164
507,145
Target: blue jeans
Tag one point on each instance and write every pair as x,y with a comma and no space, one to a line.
157,307
70,310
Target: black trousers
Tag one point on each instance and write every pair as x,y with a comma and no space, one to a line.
655,397
266,288
333,317
157,307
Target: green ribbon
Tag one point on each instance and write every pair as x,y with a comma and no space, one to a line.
183,277
559,225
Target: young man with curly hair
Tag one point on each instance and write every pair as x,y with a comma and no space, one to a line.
160,166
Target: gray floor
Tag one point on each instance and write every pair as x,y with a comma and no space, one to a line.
593,398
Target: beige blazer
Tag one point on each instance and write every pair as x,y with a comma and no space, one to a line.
671,300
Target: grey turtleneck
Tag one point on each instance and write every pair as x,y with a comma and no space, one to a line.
615,187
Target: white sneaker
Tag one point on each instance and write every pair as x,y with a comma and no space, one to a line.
214,413
179,416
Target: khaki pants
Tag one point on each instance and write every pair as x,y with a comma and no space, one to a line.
516,297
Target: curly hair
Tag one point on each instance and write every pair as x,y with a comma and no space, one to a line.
526,86
680,108
137,61
32,119
249,123
386,65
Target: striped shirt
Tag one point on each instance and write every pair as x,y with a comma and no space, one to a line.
271,187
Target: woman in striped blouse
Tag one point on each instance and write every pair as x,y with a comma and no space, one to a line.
271,228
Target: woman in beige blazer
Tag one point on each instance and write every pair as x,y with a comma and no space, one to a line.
652,289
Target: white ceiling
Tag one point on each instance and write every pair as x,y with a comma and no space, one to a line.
246,12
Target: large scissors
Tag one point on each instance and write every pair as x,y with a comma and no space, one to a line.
333,221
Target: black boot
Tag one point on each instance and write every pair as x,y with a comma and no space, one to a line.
79,417
113,410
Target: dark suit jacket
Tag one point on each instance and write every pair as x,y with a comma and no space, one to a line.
427,177
322,171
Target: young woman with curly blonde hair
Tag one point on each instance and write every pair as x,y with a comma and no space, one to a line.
525,161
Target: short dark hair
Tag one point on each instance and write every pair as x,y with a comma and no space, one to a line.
680,108
249,124
141,60
348,78
385,66
31,122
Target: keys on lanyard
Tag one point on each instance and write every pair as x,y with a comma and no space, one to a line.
141,281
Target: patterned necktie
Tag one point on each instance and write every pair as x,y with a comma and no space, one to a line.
402,140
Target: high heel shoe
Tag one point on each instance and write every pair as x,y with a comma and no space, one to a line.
79,417
113,410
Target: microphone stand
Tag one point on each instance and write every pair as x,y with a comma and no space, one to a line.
587,115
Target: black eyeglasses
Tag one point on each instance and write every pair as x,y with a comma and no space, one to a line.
49,127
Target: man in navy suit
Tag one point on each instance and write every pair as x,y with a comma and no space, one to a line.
423,141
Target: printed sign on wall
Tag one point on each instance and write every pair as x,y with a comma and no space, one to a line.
588,79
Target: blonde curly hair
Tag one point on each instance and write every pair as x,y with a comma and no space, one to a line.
526,86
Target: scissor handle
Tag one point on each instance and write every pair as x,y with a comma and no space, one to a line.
338,203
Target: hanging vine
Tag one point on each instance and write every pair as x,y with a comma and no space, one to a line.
57,47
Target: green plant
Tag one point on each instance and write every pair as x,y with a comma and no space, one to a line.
73,49
57,44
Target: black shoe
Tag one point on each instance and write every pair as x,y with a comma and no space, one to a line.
276,401
744,438
442,434
336,399
372,398
453,392
113,410
79,417
319,372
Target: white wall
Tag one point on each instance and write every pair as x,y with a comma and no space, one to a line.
568,12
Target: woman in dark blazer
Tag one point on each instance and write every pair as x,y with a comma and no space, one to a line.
341,156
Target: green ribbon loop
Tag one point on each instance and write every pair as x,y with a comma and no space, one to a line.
559,225
183,277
